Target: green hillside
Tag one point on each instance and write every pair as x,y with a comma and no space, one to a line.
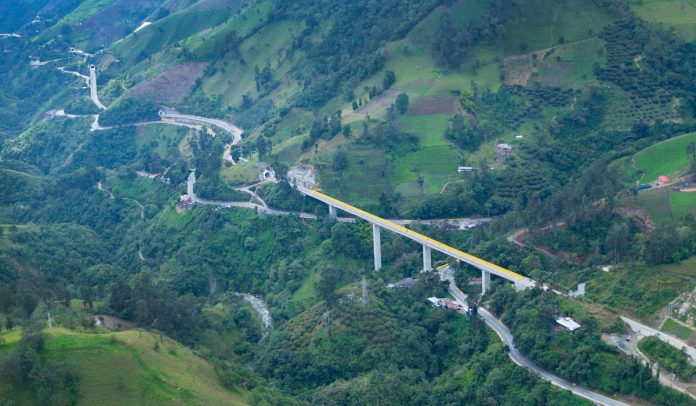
127,368
669,158
522,126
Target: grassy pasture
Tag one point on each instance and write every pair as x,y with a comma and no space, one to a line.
167,31
124,368
665,158
240,174
656,202
430,129
85,10
162,139
363,182
676,329
438,159
672,12
233,79
682,203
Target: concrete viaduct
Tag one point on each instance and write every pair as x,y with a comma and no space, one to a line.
378,223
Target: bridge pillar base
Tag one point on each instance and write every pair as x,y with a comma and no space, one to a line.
427,259
377,246
332,212
485,282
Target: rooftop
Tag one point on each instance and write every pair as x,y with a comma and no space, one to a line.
568,323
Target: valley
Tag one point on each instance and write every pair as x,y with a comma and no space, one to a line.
218,174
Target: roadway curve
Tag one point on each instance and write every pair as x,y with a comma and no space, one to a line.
649,331
250,205
517,357
230,128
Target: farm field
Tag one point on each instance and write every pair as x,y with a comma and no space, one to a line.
682,203
665,158
641,289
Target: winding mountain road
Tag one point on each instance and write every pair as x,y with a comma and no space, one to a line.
502,331
93,87
446,274
519,359
230,128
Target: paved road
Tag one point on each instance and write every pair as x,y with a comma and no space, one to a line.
93,87
71,72
249,205
649,331
630,347
230,128
518,358
447,274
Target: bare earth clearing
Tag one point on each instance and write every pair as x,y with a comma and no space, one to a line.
429,105
171,85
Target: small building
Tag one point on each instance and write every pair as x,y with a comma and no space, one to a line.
185,201
519,137
452,305
51,114
407,283
446,304
462,169
664,179
568,323
436,302
684,309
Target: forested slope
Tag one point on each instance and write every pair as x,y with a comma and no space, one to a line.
550,107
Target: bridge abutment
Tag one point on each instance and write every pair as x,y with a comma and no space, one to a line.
427,259
377,246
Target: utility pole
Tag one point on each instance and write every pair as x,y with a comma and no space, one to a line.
364,290
50,324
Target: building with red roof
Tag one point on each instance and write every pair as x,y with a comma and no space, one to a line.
663,179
